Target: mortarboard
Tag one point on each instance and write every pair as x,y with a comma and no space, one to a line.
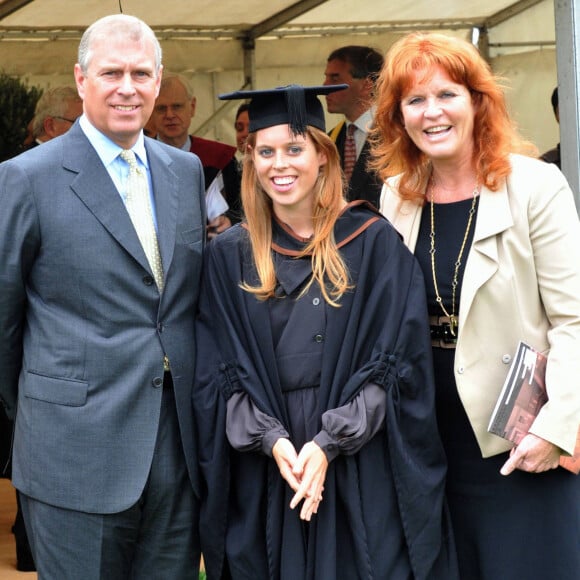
294,105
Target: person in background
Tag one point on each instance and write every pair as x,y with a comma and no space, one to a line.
101,237
173,112
313,328
497,236
242,127
29,137
553,155
56,111
150,129
358,67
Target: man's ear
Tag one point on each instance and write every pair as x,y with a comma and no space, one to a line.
49,127
193,104
368,90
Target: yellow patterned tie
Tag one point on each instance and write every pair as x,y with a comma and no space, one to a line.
138,205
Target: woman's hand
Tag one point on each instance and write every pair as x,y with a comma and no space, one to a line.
533,454
285,456
310,469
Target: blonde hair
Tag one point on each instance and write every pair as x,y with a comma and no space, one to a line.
494,134
328,267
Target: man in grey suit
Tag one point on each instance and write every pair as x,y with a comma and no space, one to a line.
96,343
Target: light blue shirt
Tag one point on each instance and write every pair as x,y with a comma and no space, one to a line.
118,170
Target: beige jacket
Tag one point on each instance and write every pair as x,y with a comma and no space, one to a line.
521,282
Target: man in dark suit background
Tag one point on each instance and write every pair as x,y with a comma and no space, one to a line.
553,155
358,67
96,335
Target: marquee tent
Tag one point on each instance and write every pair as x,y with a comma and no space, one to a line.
222,45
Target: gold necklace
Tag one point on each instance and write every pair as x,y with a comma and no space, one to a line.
452,317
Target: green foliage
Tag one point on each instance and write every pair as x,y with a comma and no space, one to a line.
17,102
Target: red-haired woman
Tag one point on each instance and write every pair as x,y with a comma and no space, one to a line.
498,239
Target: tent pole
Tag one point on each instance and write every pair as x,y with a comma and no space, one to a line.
249,47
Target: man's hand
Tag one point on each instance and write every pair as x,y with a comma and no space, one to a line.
218,225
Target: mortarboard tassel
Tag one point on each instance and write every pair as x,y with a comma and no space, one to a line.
296,105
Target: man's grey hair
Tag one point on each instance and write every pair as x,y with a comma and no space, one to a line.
52,103
116,26
169,79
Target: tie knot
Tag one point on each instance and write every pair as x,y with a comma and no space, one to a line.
351,129
129,156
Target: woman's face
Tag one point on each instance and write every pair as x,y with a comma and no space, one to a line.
287,167
438,115
242,126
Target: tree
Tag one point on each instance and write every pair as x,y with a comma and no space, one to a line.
17,102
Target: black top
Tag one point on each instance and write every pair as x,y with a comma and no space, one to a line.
450,225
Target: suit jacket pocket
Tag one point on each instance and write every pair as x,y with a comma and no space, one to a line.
192,237
68,392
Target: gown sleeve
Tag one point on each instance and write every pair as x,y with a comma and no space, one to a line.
248,428
346,429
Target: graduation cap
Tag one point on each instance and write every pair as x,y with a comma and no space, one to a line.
294,105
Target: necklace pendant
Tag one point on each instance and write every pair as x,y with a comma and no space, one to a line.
453,325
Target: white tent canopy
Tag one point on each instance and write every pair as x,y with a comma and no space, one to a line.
222,45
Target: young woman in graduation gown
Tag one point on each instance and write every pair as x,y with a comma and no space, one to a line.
315,396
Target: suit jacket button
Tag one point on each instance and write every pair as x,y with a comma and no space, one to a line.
148,280
157,382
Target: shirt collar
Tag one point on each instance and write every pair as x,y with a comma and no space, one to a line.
364,122
106,149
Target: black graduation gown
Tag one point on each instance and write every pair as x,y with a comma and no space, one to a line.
388,494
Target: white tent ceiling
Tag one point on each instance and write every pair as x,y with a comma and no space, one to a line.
221,44
252,19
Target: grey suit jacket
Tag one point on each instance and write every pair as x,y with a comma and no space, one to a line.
521,282
83,330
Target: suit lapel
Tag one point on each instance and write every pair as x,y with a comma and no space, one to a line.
165,188
96,189
493,217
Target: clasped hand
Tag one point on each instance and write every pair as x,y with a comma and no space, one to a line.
304,472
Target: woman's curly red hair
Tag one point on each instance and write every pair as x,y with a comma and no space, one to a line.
415,57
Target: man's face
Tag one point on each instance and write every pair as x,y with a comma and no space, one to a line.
351,102
172,113
119,87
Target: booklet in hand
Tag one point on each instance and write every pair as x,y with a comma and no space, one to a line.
521,398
